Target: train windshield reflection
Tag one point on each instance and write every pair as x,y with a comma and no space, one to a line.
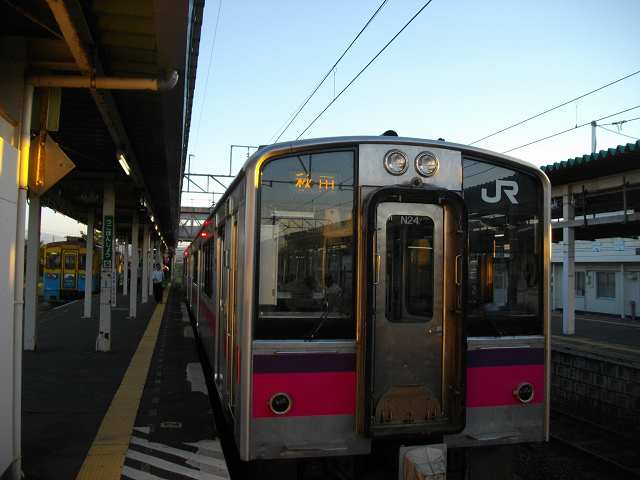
306,247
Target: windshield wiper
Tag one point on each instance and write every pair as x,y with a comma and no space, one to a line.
316,328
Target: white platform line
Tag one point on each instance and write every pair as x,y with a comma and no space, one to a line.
187,455
172,467
138,474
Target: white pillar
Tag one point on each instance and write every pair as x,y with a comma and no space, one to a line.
18,276
568,268
145,264
31,288
152,263
88,269
135,259
108,242
621,291
125,268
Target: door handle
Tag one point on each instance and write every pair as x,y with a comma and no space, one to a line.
376,269
437,330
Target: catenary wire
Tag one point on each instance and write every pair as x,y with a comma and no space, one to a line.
206,82
568,130
619,133
365,67
555,108
295,114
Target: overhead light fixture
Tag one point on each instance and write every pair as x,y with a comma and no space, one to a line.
123,162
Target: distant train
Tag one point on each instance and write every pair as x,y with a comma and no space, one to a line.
65,270
358,294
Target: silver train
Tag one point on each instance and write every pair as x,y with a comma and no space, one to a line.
357,294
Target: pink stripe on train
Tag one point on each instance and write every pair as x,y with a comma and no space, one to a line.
312,393
493,386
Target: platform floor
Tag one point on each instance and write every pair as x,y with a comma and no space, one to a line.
600,335
139,412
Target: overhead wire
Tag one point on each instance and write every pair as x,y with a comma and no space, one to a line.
619,123
555,108
365,67
332,69
569,130
206,82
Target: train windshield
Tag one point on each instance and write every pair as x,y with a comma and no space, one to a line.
53,260
505,250
306,247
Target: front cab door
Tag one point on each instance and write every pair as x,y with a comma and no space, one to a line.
415,316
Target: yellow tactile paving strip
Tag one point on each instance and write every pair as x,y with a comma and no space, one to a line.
107,454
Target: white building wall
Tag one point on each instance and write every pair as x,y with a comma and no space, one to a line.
12,67
8,206
618,256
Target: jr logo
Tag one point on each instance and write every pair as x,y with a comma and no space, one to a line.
509,188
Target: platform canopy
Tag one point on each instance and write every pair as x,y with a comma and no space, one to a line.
604,189
129,40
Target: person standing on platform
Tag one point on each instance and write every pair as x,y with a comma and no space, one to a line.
158,277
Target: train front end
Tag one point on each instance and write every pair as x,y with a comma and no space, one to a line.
383,291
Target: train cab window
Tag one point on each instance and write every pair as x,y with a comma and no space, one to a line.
53,260
82,262
505,294
409,269
305,285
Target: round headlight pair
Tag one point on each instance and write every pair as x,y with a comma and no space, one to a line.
396,163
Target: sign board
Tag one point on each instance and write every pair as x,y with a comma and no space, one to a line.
114,285
107,242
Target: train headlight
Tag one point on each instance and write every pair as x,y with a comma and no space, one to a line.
427,164
280,403
524,392
396,162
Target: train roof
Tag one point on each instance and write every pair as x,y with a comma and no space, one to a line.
265,152
75,243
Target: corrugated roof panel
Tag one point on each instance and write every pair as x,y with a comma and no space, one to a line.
603,163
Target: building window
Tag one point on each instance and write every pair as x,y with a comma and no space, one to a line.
580,284
606,285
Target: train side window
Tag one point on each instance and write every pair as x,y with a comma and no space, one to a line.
305,282
209,266
195,258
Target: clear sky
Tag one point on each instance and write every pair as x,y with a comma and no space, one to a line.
461,70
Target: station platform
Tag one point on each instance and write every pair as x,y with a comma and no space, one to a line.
142,411
599,335
139,412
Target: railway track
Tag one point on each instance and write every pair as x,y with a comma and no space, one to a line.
606,450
